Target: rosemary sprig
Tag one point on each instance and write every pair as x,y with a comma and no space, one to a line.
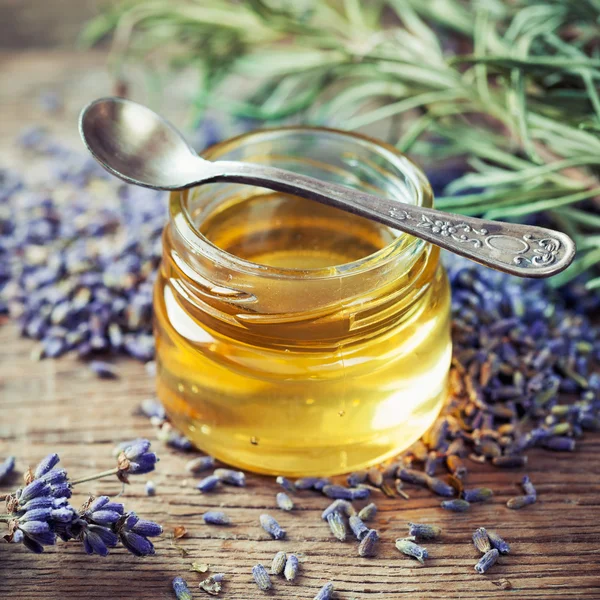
509,88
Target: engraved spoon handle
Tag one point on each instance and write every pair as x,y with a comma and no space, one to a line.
523,250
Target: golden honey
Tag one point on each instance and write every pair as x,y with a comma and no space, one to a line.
294,338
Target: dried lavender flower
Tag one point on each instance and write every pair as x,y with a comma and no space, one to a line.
216,517
338,492
181,589
368,512
480,494
291,567
487,560
286,484
7,467
409,548
518,502
272,527
321,482
136,460
208,484
325,593
284,501
237,478
368,544
153,409
481,540
150,488
412,476
134,533
498,543
559,443
356,478
278,563
455,505
340,506
359,529
424,531
306,483
337,525
103,370
261,577
440,487
528,486
456,466
199,464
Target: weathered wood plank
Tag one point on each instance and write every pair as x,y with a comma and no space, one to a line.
60,406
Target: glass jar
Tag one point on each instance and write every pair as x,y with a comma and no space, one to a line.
294,338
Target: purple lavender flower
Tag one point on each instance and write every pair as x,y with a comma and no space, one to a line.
136,460
134,533
7,467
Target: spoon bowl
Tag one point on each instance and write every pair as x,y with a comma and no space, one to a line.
135,144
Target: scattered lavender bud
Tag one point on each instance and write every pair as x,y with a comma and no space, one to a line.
286,484
284,501
181,589
487,560
369,542
321,482
391,471
375,477
103,369
231,477
7,467
338,506
306,483
498,543
481,540
218,577
440,487
455,505
509,461
527,486
360,493
278,564
150,488
152,408
338,492
368,512
199,464
559,443
208,484
291,567
409,548
477,494
456,466
325,593
424,531
356,478
215,517
520,501
337,525
261,577
412,476
272,527
359,529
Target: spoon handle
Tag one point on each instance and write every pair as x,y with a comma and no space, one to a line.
523,250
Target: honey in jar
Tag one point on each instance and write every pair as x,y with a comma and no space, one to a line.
292,337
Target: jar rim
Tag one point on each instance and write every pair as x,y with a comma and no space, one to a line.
397,249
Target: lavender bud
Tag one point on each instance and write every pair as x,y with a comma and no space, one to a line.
477,494
325,593
214,517
337,525
278,564
291,567
359,529
208,484
424,531
272,527
520,501
261,577
199,464
7,467
409,548
340,506
498,543
368,544
286,484
368,512
181,589
487,561
455,505
231,477
284,501
481,540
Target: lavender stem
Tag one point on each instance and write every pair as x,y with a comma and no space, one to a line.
96,476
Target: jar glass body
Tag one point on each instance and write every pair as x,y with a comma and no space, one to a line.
294,338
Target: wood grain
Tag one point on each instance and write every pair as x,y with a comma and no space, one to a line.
60,406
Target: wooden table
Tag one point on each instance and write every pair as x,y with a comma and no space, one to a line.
59,406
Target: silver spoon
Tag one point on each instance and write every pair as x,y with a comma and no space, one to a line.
137,145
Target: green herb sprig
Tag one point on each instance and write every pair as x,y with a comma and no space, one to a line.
510,87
